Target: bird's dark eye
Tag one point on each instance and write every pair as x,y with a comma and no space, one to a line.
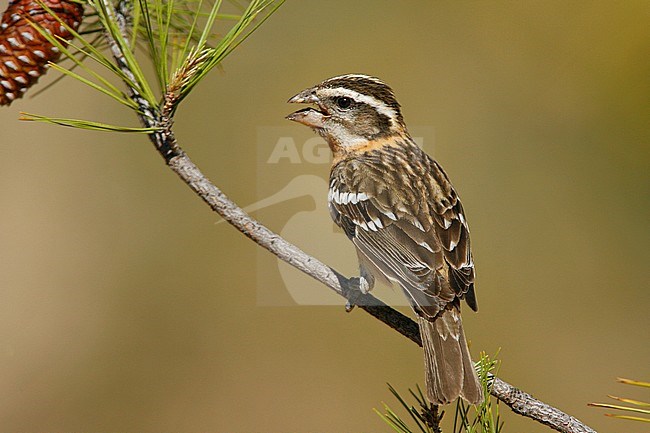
343,102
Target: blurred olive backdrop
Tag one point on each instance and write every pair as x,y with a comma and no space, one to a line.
123,307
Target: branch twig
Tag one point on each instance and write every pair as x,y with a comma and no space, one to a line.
528,406
166,144
519,401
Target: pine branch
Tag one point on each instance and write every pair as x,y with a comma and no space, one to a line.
526,405
165,142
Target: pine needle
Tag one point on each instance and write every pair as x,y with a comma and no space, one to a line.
83,124
637,405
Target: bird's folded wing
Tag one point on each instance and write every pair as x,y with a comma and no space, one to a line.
417,236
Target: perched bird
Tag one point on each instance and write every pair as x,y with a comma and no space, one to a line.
399,209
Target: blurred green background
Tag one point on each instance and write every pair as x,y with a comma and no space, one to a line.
123,307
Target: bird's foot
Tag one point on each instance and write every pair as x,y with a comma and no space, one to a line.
356,288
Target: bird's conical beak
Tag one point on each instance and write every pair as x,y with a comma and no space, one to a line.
307,96
308,116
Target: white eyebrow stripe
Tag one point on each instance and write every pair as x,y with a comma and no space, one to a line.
360,97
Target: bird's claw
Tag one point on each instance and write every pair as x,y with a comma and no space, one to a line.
357,286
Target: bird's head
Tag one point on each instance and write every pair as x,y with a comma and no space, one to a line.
350,110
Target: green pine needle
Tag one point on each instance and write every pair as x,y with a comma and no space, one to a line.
619,407
636,405
83,124
96,81
628,417
180,40
633,382
482,418
106,15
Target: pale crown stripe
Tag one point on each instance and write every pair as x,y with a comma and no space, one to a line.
367,77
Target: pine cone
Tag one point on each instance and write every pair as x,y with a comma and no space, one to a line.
24,52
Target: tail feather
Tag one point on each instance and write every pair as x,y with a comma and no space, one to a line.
449,370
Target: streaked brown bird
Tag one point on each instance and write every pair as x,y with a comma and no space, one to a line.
398,207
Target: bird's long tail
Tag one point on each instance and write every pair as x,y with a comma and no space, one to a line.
449,370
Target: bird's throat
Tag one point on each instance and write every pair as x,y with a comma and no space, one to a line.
341,152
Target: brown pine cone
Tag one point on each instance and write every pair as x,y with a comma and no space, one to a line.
24,52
